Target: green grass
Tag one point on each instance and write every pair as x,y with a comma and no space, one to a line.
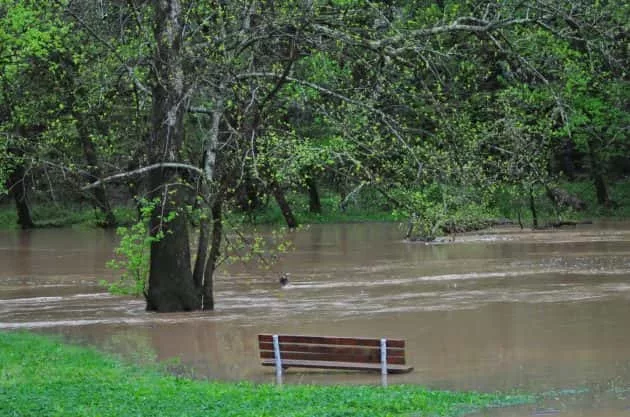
508,203
363,210
619,194
44,377
64,215
368,206
371,206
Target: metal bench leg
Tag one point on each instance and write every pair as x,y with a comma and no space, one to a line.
279,367
384,362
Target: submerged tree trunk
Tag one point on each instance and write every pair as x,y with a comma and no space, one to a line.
206,261
285,208
202,252
213,256
18,190
171,285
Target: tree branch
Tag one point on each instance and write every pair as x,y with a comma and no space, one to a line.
387,120
109,46
142,171
462,24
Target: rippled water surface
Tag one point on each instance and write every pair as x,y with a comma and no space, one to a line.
500,310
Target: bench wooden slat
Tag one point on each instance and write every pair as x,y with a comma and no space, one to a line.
325,340
351,350
339,357
332,353
392,369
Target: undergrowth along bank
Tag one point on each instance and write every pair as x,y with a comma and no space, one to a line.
505,204
43,377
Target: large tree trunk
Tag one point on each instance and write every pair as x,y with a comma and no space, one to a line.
171,285
18,190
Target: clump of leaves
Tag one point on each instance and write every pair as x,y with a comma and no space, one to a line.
133,255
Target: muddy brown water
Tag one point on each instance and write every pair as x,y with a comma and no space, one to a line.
503,309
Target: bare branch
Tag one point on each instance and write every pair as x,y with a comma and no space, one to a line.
385,46
142,171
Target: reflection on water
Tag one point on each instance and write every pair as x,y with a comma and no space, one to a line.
499,310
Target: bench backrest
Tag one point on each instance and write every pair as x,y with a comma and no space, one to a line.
333,349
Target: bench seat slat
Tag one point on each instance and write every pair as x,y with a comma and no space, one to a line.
325,340
391,368
346,350
337,357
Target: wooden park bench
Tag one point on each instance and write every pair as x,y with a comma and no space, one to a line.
348,353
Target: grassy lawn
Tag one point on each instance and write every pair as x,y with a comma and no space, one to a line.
41,377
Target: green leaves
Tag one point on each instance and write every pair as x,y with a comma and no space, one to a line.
133,254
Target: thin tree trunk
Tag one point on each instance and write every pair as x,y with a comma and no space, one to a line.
171,285
285,208
568,165
202,252
18,190
206,262
601,187
314,203
213,256
532,207
248,195
90,153
95,173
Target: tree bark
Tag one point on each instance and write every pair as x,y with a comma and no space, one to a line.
90,153
532,207
248,195
95,173
568,165
202,253
18,190
171,285
285,208
213,256
601,187
314,203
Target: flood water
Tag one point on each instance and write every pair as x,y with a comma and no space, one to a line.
503,309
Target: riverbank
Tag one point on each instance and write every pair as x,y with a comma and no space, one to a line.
369,207
44,377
